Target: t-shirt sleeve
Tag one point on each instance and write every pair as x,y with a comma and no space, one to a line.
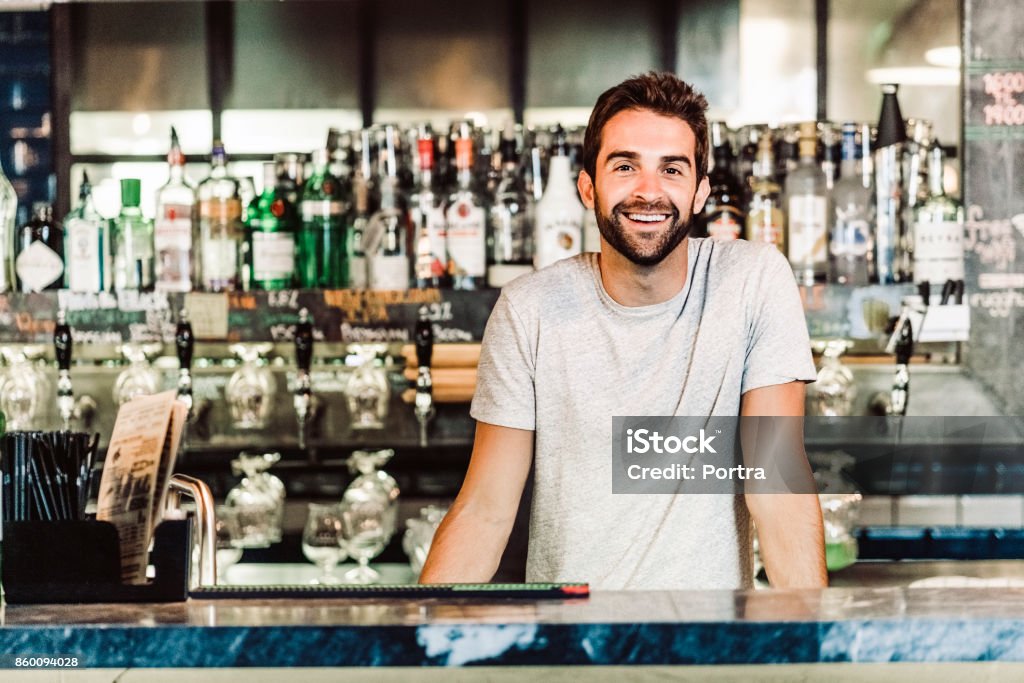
504,385
778,346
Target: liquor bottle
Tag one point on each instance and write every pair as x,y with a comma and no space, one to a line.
807,209
290,175
386,239
87,245
512,213
831,154
221,231
938,229
132,241
467,220
850,244
559,231
786,153
427,214
174,227
722,218
766,221
8,218
273,222
915,190
39,263
324,234
745,166
890,232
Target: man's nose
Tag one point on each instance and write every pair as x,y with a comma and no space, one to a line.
648,186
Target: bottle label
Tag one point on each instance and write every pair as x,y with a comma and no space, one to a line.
273,256
220,262
38,266
172,238
938,251
559,236
724,224
850,238
220,210
765,225
431,244
321,208
466,239
87,260
390,272
808,234
357,278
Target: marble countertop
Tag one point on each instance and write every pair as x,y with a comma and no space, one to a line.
695,627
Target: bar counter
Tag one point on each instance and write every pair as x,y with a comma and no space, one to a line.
837,625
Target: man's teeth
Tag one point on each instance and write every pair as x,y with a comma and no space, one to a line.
647,217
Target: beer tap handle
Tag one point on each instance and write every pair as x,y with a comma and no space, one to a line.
424,342
304,342
424,405
184,346
304,361
62,343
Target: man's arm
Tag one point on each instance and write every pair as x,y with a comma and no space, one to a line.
789,525
468,545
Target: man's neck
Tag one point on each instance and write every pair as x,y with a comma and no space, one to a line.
633,285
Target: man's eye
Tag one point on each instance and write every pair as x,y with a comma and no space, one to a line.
672,170
623,167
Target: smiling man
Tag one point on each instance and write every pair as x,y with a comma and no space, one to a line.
656,324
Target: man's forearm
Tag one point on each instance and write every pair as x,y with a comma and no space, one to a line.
466,548
791,538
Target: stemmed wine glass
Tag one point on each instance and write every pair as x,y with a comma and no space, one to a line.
251,388
322,540
366,530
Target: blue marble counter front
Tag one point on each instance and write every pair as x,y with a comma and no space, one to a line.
649,628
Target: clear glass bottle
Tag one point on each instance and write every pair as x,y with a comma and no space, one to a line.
325,225
426,211
386,235
512,215
766,221
367,390
466,218
807,200
891,262
559,222
8,218
39,262
271,234
174,226
132,238
221,232
851,242
88,265
722,218
938,229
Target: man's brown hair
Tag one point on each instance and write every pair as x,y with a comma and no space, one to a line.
660,93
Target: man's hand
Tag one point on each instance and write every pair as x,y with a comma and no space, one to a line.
468,545
789,525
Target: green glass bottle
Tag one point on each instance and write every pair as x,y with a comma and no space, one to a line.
273,222
325,226
132,241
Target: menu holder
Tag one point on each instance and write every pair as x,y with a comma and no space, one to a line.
79,562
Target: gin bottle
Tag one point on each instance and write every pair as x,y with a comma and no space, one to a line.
132,238
273,221
466,217
221,232
88,266
174,226
39,264
324,234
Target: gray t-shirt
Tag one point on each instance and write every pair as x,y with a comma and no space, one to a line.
561,357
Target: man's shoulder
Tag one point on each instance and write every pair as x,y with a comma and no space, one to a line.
742,255
548,286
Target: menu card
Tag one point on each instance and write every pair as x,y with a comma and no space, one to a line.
139,462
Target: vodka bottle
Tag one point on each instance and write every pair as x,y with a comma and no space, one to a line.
88,266
850,243
221,232
559,212
807,210
174,227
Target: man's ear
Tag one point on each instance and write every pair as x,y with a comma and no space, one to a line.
586,187
701,196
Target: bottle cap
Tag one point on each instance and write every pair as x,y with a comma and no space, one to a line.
130,191
891,130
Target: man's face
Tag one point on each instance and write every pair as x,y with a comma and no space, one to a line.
646,190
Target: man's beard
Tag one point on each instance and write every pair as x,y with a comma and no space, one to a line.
643,249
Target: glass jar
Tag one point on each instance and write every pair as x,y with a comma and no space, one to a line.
251,388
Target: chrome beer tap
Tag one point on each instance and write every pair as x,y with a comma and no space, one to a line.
303,384
185,344
65,393
900,392
424,405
